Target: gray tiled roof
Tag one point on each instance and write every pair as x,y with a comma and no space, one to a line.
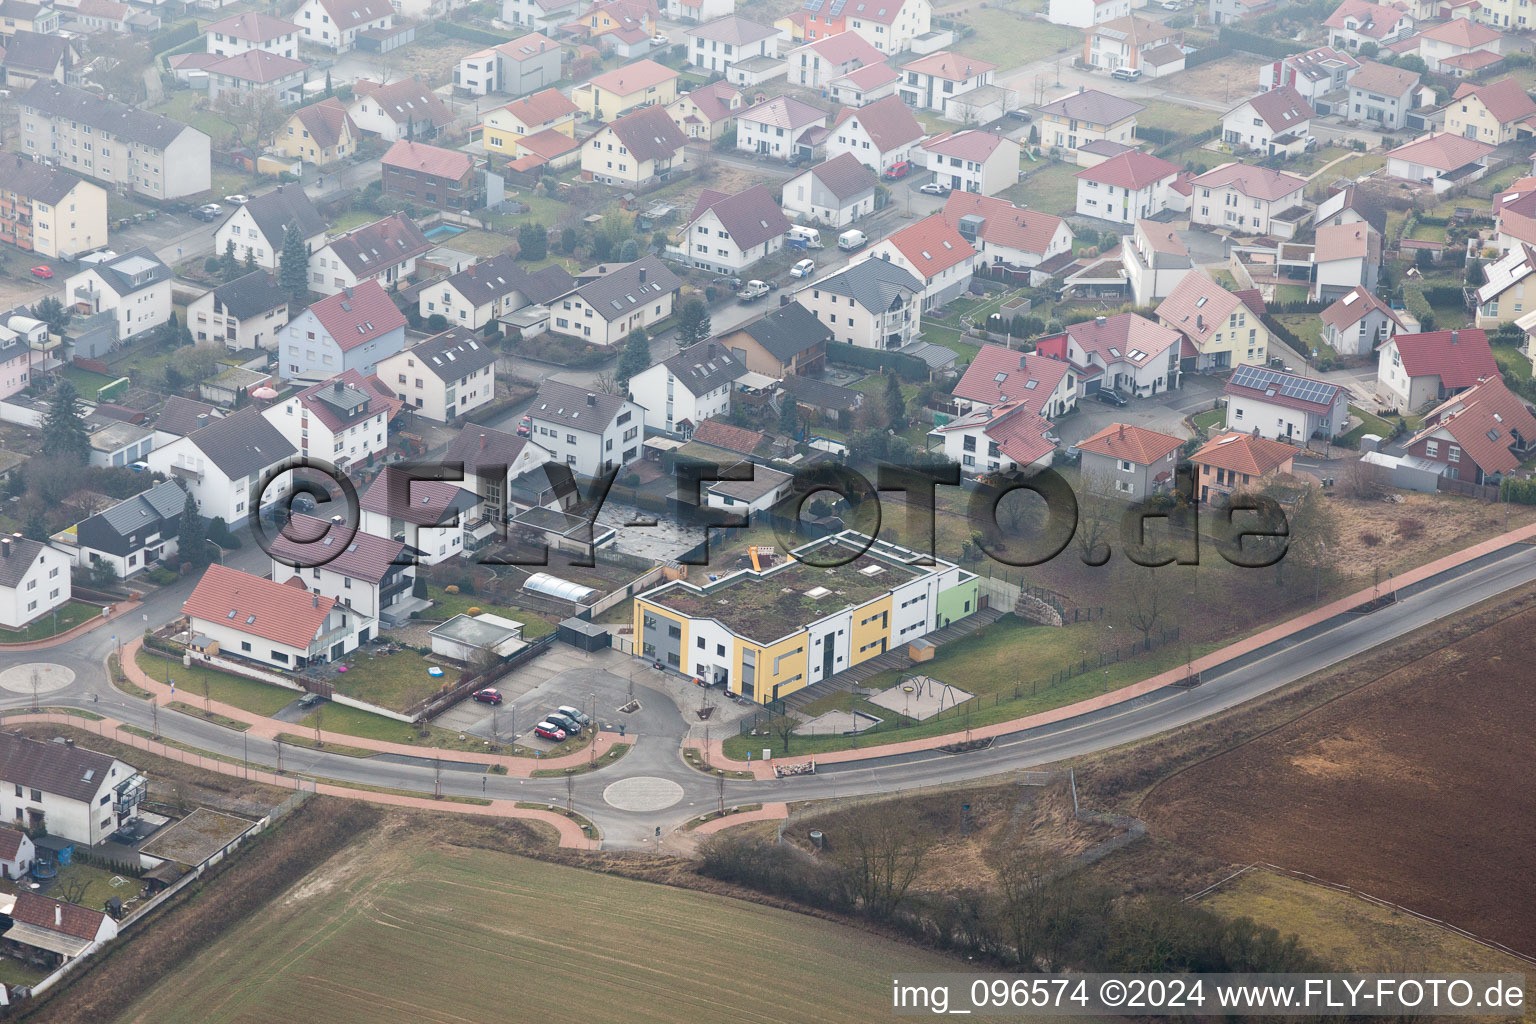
822,394
35,180
128,124
133,271
275,210
15,565
571,406
454,353
163,501
873,284
788,331
1093,106
250,295
478,446
180,415
704,367
625,288
242,444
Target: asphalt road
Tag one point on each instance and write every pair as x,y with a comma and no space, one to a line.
658,735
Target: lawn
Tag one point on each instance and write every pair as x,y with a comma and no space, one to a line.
1052,188
1211,420
424,932
87,382
395,681
247,694
351,219
949,337
191,108
97,885
1512,360
1175,117
1308,327
67,616
1370,423
448,605
1008,37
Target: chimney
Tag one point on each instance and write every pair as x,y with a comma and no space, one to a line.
314,600
58,914
5,547
1101,320
1199,321
347,291
642,275
1455,337
202,419
1023,361
338,520
482,442
1121,435
591,400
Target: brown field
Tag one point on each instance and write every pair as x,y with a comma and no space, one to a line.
1416,788
1228,79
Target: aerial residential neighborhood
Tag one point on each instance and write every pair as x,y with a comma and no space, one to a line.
625,488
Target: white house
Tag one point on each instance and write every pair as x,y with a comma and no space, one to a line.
590,432
890,28
16,853
34,580
335,24
73,792
257,227
1126,188
879,135
835,193
933,252
223,462
342,420
515,68
819,61
1312,74
1345,257
688,388
716,45
1155,260
350,330
766,489
405,109
508,474
973,161
999,439
1083,13
1358,323
1382,94
1357,22
863,85
1441,46
729,233
933,80
540,15
488,290
368,574
999,376
444,377
871,304
1414,370
1442,159
246,313
384,251
429,516
132,535
135,287
641,147
1277,121
270,623
1245,197
1134,354
241,32
775,127
1285,406
612,299
1004,234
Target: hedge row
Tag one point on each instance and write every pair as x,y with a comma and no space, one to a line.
1207,54
907,367
1262,45
183,33
1521,492
470,33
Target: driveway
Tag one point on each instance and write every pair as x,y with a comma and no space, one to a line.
1164,412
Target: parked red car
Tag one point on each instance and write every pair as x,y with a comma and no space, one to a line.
900,169
549,731
488,696
525,426
42,271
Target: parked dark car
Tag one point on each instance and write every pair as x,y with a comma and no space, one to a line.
565,722
488,696
1109,396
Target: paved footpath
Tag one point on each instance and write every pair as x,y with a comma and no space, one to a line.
269,728
119,609
1247,645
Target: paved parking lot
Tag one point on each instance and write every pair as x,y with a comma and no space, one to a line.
1164,412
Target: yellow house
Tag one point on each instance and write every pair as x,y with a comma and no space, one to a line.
708,112
619,91
1221,328
635,149
505,127
321,133
765,633
633,20
1495,113
1081,118
49,211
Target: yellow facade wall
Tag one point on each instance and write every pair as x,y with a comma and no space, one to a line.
871,624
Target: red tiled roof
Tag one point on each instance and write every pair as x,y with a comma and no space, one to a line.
1251,181
1462,32
1133,170
842,47
967,145
714,100
312,398
954,67
728,436
1018,369
633,77
1354,305
326,121
1347,242
1198,306
260,607
358,315
871,76
420,157
10,843
1383,79
1372,20
932,246
1134,444
259,28
1472,61
888,122
541,107
1442,151
1282,108
362,557
1505,99
43,912
1118,336
1003,223
1020,433
257,66
1459,358
548,144
1244,453
1471,417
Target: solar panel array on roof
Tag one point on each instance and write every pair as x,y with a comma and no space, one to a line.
1271,382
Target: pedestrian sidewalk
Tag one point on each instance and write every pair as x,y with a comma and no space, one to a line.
517,767
571,834
119,609
1237,649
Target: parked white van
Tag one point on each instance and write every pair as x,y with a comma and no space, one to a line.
851,240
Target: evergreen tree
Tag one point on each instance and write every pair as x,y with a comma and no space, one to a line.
636,356
229,263
532,242
174,381
250,260
52,312
328,90
629,251
693,324
36,527
895,402
192,539
293,268
64,433
789,417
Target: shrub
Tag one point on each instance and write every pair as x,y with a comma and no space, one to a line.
1369,539
1410,529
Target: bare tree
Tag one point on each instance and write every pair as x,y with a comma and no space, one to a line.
605,384
1098,517
317,717
254,115
881,854
784,728
1142,597
70,889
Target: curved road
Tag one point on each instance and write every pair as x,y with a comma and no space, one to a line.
660,790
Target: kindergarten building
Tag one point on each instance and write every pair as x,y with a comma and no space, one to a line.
766,633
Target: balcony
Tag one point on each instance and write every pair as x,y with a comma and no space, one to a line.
130,793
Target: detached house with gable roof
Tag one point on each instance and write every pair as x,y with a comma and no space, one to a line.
788,340
350,330
1356,22
257,227
488,290
384,252
507,128
135,287
430,517
1220,329
336,24
1415,370
1125,43
509,474
1313,74
134,534
729,233
1235,463
1250,200
257,71
612,299
369,575
889,26
447,376
613,93
1495,113
342,420
719,45
79,794
999,439
820,61
973,161
836,192
1285,406
636,149
248,312
34,580
707,112
1344,257
863,85
783,128
1155,260
415,172
933,252
871,304
320,134
406,109
932,81
1129,462
241,32
276,624
1124,352
1442,159
1273,122
1005,235
1460,46
1088,116
1358,323
1481,435
222,462
1000,376
1126,188
686,389
590,432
